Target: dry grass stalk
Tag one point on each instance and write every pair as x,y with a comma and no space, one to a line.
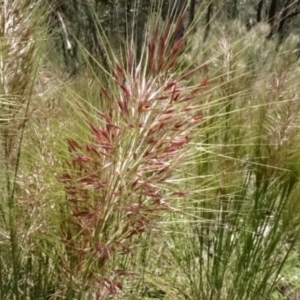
17,67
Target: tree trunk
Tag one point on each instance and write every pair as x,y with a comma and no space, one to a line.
259,10
208,17
271,17
283,17
192,11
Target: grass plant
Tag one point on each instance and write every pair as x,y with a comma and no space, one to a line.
168,174
20,55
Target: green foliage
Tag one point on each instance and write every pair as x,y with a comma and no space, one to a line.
164,173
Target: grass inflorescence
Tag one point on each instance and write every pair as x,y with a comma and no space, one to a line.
118,182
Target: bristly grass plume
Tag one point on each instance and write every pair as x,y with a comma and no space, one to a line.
116,183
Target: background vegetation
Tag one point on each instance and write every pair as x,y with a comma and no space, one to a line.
149,150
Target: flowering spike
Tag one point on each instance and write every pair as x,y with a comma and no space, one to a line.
122,106
65,176
121,70
84,214
162,46
155,33
73,145
173,94
126,90
189,73
151,49
192,107
179,23
137,72
153,65
202,84
106,117
169,85
167,28
116,76
185,98
171,65
197,118
105,91
82,158
162,98
180,193
161,64
177,46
